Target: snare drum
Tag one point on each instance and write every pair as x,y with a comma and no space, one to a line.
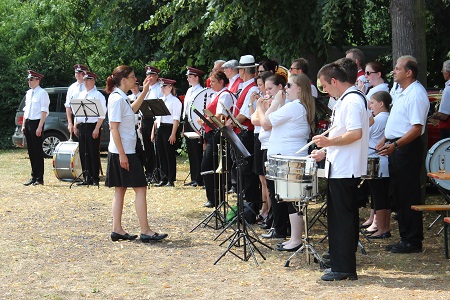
432,161
295,177
200,102
290,168
373,167
66,161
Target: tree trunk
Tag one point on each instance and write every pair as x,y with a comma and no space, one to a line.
408,33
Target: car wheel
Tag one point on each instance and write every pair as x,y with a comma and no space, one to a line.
51,139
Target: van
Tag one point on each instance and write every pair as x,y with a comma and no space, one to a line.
55,127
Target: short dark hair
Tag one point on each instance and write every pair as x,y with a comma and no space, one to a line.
357,54
269,65
332,70
350,67
303,64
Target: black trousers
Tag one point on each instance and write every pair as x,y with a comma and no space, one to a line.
195,154
343,223
166,153
34,145
252,191
89,151
149,157
404,170
279,210
210,163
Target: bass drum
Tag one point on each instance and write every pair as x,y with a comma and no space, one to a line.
66,161
432,161
201,100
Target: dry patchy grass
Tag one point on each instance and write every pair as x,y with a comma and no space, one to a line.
55,245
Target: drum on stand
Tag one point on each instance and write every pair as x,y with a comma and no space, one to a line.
66,161
432,161
295,177
201,100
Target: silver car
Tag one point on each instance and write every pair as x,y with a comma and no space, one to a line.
55,128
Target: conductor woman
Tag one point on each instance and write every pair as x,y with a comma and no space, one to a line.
124,167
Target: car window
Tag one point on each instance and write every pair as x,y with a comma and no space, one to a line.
53,102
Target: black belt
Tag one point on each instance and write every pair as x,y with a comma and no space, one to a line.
392,140
33,120
165,124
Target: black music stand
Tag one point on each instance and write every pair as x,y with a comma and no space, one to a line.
151,108
220,220
86,108
241,231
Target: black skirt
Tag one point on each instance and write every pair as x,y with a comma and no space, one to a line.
258,157
117,176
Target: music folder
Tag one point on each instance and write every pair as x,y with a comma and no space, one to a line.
153,108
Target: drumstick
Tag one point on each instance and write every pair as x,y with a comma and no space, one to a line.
312,142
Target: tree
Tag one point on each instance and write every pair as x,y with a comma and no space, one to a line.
408,33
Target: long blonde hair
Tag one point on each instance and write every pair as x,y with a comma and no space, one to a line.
306,98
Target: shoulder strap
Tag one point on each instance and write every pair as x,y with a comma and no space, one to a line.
363,97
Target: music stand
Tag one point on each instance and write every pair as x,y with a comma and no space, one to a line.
86,108
216,213
241,231
233,118
154,107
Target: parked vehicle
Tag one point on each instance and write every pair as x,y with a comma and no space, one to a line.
55,128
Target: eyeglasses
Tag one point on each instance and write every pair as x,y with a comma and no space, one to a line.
290,69
261,71
288,85
368,73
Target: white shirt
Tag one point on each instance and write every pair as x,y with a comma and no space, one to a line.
36,102
377,88
133,98
190,95
73,92
314,91
264,136
92,94
154,92
174,106
226,98
119,110
245,110
347,161
376,134
290,129
444,106
409,108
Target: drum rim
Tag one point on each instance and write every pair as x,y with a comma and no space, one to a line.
445,184
193,124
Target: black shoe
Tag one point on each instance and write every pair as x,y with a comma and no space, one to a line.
95,183
405,247
273,235
161,183
208,204
38,183
385,235
115,237
289,250
326,256
370,231
194,184
389,247
29,182
265,226
335,276
170,183
364,226
156,237
83,183
189,183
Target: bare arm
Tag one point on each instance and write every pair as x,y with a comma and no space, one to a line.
410,136
114,127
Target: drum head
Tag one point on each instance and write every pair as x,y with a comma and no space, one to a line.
432,160
201,100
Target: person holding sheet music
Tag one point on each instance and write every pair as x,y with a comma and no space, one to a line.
222,96
124,168
165,133
88,132
194,146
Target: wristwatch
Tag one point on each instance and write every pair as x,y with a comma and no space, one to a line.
396,145
250,104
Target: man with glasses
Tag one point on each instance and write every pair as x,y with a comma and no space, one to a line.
88,131
73,92
36,110
301,66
